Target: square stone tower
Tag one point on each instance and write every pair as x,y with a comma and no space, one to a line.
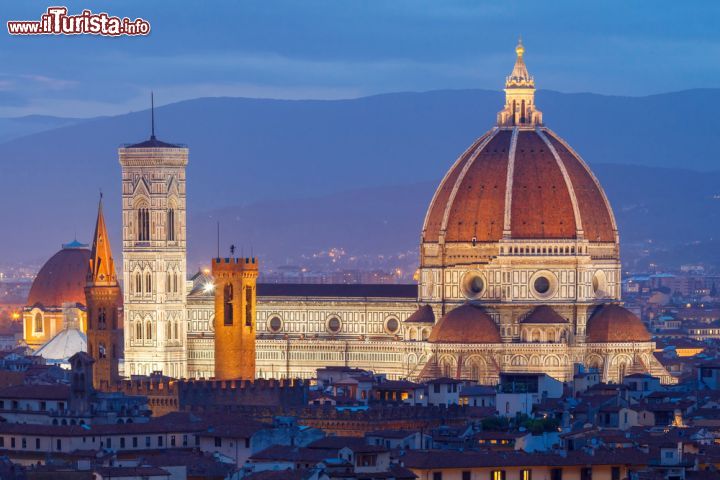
154,257
235,306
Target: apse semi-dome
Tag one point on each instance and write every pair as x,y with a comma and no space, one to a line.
468,323
520,180
612,323
62,278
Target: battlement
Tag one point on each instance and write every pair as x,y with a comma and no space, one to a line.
167,395
234,264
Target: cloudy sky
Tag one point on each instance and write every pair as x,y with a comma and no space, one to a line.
349,48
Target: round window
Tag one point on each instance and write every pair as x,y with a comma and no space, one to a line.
473,285
542,285
599,284
392,325
333,325
275,324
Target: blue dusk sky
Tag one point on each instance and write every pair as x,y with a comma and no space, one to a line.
346,48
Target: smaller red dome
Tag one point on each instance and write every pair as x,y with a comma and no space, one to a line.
613,323
467,323
62,279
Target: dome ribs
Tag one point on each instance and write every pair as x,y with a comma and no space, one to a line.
541,203
598,224
467,323
613,323
478,208
434,216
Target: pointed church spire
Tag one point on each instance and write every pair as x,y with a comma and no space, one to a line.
519,95
102,266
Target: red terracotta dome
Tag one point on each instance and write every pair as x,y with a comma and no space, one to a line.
62,279
613,323
524,182
465,324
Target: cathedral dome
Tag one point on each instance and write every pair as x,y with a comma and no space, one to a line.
613,323
518,183
62,279
520,180
467,323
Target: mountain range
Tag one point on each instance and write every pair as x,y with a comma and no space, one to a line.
293,177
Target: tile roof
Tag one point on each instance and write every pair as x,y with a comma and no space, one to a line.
406,291
36,392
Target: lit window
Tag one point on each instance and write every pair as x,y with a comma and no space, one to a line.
38,324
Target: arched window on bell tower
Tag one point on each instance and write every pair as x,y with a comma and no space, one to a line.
143,224
171,225
227,301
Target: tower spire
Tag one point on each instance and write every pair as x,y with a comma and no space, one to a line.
152,115
102,267
519,95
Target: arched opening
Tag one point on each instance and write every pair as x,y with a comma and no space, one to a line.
550,335
138,331
38,323
148,331
477,369
171,225
143,225
447,367
227,302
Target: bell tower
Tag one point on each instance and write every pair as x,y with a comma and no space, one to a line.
235,321
154,256
104,302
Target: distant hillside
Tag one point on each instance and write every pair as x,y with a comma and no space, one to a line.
252,153
677,210
14,127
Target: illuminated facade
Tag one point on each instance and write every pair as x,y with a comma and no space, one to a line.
154,257
57,299
519,271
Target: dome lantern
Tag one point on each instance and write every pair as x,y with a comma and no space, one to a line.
519,95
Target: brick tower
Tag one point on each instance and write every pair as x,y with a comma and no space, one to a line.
235,282
104,302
